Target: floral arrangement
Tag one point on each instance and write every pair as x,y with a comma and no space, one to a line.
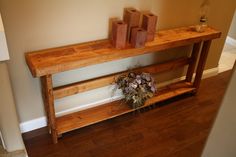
137,88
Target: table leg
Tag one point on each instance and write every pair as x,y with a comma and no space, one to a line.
45,102
47,89
201,63
193,58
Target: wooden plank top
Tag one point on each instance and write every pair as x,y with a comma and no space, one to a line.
55,60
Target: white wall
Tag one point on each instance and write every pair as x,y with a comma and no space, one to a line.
8,118
232,31
33,25
4,55
222,139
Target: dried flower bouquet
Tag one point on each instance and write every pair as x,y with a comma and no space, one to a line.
137,88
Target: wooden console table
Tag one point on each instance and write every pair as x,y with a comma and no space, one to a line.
45,63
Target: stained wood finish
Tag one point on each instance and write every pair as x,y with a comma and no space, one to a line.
132,18
49,105
45,101
175,129
67,90
47,62
149,23
97,114
194,55
119,32
55,60
138,37
201,64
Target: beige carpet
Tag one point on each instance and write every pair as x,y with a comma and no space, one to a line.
3,153
227,58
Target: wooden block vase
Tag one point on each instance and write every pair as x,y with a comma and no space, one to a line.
149,23
119,31
132,18
138,37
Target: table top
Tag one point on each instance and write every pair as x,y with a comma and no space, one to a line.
55,60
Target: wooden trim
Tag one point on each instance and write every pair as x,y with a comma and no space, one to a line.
194,56
61,59
67,90
49,105
107,111
201,63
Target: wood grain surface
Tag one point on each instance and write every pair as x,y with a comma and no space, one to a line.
78,87
47,92
110,110
44,63
171,129
55,60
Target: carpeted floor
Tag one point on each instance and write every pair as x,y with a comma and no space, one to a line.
3,153
227,58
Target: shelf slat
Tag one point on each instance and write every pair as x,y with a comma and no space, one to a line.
107,111
78,87
55,60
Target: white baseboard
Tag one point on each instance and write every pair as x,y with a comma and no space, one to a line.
33,124
41,122
2,140
210,72
89,105
231,41
206,73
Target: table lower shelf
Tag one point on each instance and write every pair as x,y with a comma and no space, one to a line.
110,110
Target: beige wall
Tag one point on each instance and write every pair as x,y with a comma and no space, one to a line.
222,139
32,25
232,31
9,124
